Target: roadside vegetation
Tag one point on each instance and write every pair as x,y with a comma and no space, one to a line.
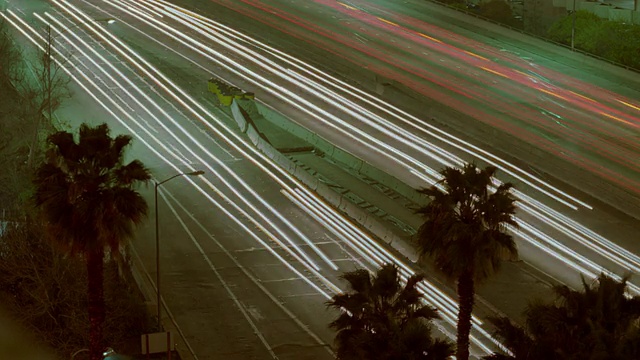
613,40
385,318
46,292
466,235
70,204
86,196
599,322
52,251
499,11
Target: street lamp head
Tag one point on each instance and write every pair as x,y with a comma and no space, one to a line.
111,21
193,173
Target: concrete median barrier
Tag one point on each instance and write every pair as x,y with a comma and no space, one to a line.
401,244
305,177
340,156
375,225
346,159
253,135
332,197
238,116
394,184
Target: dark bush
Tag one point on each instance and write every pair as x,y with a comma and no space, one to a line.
47,293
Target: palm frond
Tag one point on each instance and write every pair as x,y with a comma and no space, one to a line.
359,280
512,337
85,192
380,318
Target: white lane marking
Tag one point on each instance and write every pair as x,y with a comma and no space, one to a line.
253,279
230,292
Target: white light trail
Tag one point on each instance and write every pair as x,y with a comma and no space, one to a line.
284,94
233,217
88,78
371,241
355,110
389,109
130,84
380,256
280,88
211,156
605,250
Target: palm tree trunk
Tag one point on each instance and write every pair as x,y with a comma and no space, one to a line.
95,275
465,298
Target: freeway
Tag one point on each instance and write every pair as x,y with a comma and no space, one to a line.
408,147
536,102
247,269
188,47
565,141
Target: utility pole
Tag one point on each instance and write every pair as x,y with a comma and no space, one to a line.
48,63
47,89
573,26
50,80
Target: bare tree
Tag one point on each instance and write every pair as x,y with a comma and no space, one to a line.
14,141
42,287
46,292
11,70
47,98
34,91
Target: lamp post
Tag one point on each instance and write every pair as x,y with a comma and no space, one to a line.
156,185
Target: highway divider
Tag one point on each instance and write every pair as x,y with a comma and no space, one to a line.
340,156
398,240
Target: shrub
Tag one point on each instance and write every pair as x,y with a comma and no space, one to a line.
612,40
46,292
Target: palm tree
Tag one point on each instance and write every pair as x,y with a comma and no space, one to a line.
599,322
86,196
381,320
464,233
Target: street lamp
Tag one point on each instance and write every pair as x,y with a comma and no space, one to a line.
156,185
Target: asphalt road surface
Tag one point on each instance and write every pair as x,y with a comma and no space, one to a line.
539,102
242,262
563,129
559,196
249,257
